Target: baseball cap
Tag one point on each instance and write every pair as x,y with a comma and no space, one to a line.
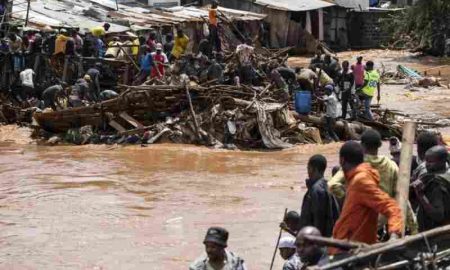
159,46
287,241
216,235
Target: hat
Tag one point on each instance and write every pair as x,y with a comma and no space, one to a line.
159,47
87,77
329,87
287,241
216,235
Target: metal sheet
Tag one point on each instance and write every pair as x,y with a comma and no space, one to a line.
295,5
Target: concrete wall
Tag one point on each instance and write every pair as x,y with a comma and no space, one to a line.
336,29
366,31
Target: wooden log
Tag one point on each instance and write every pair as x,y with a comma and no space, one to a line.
394,246
117,126
194,117
125,116
404,174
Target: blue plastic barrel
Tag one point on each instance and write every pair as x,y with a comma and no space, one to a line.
303,102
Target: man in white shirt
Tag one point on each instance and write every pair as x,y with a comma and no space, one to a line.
26,77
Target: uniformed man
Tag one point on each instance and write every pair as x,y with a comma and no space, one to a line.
217,257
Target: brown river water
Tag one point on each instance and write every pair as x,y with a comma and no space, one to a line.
103,207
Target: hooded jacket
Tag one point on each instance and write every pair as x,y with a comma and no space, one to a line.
364,201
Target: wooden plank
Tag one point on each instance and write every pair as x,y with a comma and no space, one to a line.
117,126
404,174
130,120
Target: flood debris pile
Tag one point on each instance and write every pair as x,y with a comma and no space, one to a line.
186,106
413,79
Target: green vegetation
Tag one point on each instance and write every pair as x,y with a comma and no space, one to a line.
424,27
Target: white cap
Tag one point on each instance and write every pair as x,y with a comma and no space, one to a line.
159,46
287,241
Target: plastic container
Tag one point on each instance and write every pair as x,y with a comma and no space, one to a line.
303,102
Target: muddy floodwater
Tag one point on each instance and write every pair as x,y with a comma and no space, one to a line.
97,207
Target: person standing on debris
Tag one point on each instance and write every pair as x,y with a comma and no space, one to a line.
168,46
135,43
346,82
52,94
215,70
26,77
244,53
319,208
151,41
358,73
146,65
159,61
288,252
387,170
205,47
15,47
60,42
217,256
79,91
213,26
433,191
371,83
78,41
364,200
100,31
94,81
331,114
309,252
180,44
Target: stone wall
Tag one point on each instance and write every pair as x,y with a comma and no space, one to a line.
366,30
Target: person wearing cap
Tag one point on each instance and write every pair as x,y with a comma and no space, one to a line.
217,256
371,84
289,253
159,61
331,114
180,44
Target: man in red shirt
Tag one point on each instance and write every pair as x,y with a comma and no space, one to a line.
159,61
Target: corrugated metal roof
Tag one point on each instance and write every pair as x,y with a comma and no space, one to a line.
295,5
86,14
353,4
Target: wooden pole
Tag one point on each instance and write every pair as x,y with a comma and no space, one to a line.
28,12
404,175
194,118
278,241
117,6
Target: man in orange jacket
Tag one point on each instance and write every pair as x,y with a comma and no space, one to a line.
364,200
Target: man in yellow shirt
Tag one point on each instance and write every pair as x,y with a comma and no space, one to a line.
213,29
371,83
100,31
180,44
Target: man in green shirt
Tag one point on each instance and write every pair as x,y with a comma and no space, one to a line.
371,83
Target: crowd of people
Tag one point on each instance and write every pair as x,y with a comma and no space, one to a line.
152,54
357,204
